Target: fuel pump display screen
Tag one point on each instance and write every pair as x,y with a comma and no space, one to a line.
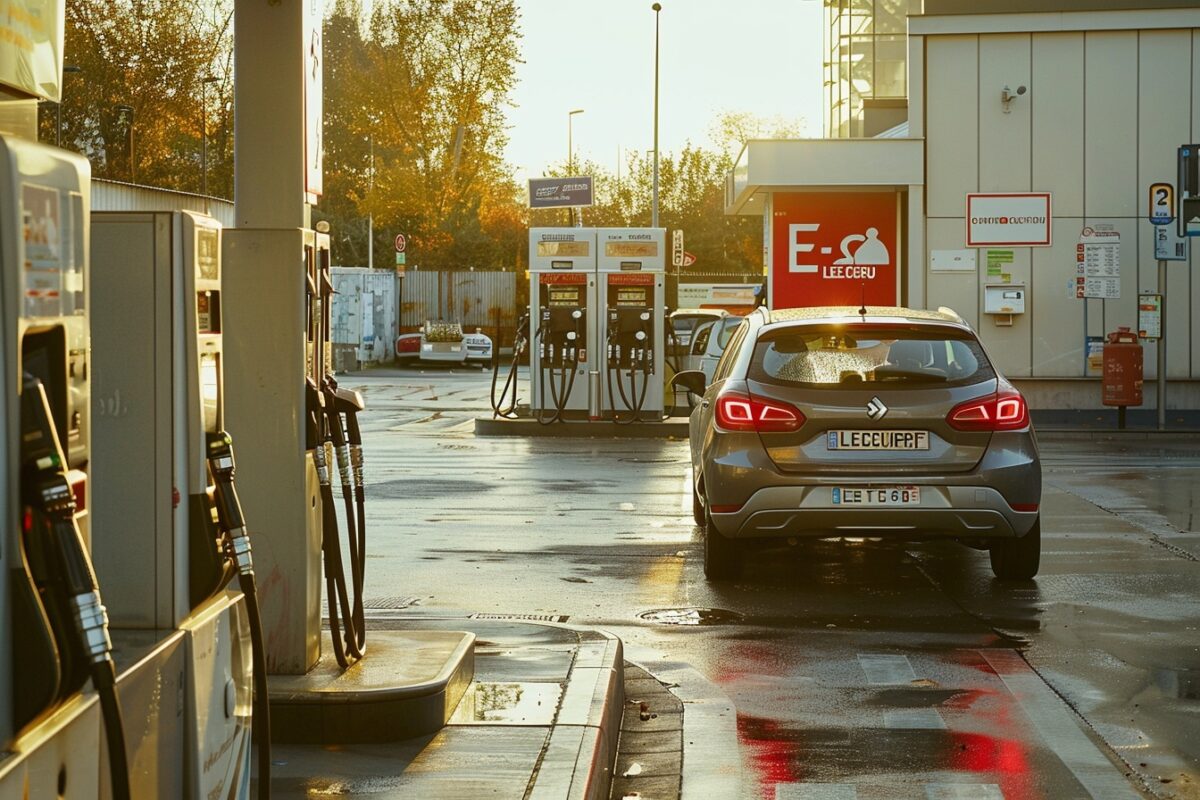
631,249
631,297
208,254
563,249
210,391
563,297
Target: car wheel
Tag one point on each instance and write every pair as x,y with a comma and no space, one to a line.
722,555
697,507
1018,559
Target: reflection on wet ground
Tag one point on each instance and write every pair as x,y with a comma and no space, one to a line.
859,668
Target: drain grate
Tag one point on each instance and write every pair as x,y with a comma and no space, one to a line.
391,602
691,616
524,617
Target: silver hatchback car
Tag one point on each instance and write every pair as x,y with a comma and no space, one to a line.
871,422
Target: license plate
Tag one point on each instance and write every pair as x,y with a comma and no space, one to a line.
454,348
884,496
878,440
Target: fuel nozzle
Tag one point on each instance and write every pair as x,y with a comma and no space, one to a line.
229,508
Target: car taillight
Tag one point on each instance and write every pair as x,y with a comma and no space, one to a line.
1003,411
409,345
741,412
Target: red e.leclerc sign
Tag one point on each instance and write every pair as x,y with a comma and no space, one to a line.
833,249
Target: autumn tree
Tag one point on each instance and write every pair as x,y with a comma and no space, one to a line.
149,64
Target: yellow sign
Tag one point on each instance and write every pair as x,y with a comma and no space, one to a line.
31,45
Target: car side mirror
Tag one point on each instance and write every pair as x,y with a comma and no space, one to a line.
691,379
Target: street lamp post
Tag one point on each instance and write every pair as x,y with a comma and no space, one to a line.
204,133
370,216
571,157
657,7
67,68
126,112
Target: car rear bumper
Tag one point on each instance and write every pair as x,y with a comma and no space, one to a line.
808,511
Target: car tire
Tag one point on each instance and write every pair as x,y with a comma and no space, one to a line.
722,555
1018,559
698,507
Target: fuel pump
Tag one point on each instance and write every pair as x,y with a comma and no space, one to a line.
55,636
630,273
629,348
502,406
562,302
168,520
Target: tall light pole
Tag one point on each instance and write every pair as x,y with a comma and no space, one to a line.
204,133
67,68
654,208
126,113
370,216
571,157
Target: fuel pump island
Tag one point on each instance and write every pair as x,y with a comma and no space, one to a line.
134,347
596,326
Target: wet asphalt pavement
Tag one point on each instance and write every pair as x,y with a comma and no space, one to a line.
858,668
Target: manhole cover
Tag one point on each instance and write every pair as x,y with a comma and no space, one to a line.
524,617
691,616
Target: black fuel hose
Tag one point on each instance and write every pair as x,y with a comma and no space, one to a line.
342,619
237,546
499,407
64,574
349,404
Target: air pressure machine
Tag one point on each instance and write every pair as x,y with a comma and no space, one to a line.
562,297
630,277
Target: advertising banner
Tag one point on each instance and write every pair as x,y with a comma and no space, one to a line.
1008,220
31,44
560,192
833,249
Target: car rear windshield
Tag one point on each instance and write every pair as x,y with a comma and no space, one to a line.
862,355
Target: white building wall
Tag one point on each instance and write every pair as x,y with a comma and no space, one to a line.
1104,113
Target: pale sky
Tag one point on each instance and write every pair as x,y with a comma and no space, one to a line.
759,56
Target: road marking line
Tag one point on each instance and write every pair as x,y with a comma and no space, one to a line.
886,670
963,791
815,791
1059,728
685,500
914,719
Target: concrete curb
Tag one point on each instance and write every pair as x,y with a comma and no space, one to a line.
587,724
712,765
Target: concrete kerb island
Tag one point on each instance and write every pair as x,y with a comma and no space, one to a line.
672,428
540,718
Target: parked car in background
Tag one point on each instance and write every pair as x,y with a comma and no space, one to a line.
685,321
479,346
437,342
893,423
708,343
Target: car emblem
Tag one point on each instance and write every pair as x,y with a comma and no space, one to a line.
876,409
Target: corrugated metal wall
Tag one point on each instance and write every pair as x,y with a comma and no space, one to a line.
116,196
486,300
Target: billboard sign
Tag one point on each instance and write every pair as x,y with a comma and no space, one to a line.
833,249
1008,220
560,192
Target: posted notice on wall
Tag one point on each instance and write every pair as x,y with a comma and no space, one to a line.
1098,264
1150,316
